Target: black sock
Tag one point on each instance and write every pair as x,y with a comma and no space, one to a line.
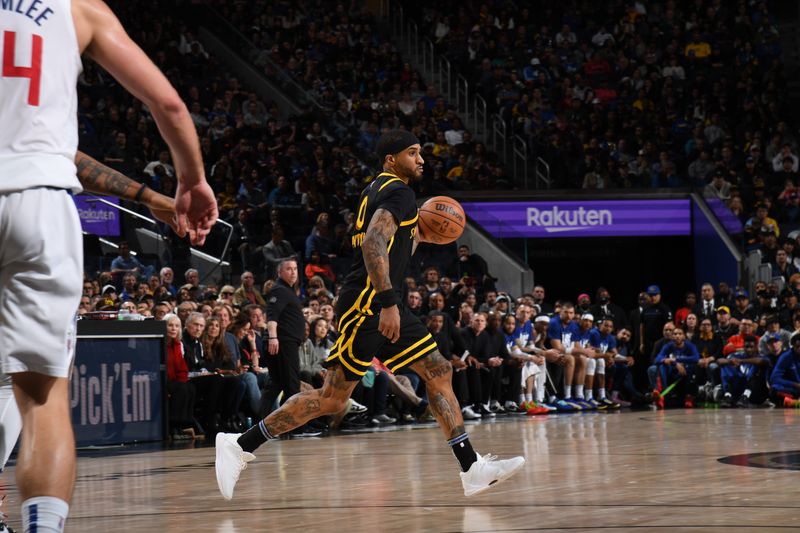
255,437
463,451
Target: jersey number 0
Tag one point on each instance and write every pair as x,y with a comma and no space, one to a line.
33,73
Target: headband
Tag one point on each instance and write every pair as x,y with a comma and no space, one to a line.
393,142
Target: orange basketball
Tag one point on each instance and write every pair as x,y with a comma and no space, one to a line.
441,220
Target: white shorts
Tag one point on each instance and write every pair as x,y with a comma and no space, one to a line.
529,369
41,273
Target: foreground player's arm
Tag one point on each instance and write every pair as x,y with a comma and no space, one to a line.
375,250
102,37
99,179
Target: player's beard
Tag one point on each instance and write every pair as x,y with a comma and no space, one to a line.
409,172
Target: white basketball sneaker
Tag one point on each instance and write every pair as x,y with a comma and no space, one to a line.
487,471
231,460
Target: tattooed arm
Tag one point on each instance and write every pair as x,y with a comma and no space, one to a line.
375,250
99,179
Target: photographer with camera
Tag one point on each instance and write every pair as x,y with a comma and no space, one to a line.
471,270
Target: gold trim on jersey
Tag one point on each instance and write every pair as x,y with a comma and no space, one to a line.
426,350
410,220
388,182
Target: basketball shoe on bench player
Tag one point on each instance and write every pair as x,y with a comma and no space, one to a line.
374,321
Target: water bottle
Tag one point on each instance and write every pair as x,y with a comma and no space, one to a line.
124,314
248,422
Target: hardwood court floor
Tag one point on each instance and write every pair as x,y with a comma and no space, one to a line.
624,471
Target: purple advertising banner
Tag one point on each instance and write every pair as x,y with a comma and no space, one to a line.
98,218
729,221
590,218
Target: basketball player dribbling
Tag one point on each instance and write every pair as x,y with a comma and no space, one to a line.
374,323
41,263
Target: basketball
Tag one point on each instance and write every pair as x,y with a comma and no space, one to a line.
441,220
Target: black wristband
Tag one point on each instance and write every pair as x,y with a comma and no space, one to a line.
387,298
138,197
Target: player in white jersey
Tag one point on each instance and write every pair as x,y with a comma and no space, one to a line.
41,256
97,178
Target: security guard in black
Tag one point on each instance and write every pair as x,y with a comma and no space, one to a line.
285,317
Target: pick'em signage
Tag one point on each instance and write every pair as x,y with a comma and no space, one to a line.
591,218
96,217
115,390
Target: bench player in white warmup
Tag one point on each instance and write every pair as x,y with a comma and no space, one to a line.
41,263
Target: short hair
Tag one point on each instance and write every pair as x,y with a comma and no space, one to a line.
165,270
283,262
194,315
750,338
172,316
190,271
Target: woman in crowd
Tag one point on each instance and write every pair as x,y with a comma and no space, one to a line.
181,392
314,352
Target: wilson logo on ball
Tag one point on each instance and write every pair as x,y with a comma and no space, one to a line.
449,209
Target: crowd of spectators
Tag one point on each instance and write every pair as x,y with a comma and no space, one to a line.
511,354
364,86
288,187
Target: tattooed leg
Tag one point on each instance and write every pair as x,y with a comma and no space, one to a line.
437,373
312,404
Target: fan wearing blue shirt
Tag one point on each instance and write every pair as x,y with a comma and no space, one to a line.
743,375
563,334
676,360
785,377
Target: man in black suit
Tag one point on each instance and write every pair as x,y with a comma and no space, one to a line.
605,308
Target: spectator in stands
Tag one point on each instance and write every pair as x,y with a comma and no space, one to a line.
785,377
414,302
125,262
709,347
181,393
476,342
311,369
653,318
470,269
677,360
707,306
316,267
247,293
208,385
742,308
779,160
275,251
743,373
782,268
736,342
538,299
167,278
192,277
218,359
689,306
605,308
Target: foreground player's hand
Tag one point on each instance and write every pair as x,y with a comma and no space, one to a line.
389,324
196,210
161,207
